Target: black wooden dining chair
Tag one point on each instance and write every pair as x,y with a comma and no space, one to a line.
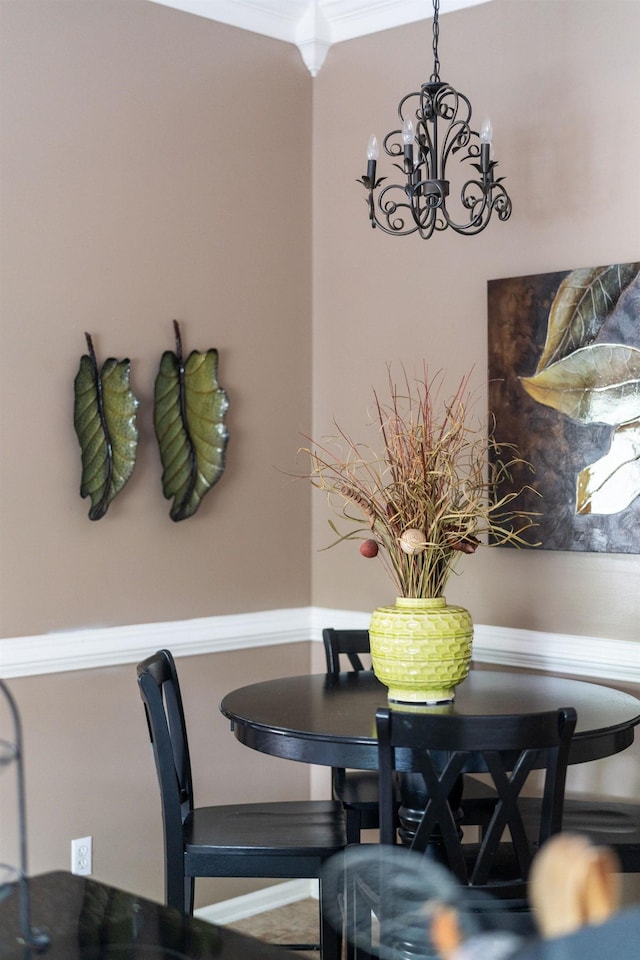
291,839
357,790
430,752
605,823
436,750
350,644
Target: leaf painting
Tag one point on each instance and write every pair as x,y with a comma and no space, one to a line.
105,422
564,386
597,384
611,483
189,411
585,299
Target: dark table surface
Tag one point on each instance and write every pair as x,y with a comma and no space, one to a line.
331,721
87,920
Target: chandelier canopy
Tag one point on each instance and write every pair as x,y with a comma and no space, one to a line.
435,127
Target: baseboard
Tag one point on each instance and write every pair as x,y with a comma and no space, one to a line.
597,657
250,904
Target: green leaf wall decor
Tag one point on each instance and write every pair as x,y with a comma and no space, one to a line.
105,422
189,410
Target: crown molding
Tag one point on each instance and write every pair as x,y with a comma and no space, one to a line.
314,25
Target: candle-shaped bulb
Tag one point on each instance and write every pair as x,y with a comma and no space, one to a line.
408,132
486,131
373,150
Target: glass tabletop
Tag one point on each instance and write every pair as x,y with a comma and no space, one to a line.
88,920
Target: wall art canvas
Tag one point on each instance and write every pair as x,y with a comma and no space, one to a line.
564,387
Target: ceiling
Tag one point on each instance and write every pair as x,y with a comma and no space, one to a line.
314,25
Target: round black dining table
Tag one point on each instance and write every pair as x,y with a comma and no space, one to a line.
330,721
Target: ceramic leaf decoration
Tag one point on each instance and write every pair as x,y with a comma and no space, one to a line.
105,422
189,412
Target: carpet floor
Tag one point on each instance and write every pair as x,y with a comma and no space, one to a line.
294,923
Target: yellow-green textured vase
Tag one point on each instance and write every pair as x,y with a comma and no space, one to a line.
421,649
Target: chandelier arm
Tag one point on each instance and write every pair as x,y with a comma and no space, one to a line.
495,197
394,219
390,148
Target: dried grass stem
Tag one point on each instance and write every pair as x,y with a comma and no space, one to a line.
431,475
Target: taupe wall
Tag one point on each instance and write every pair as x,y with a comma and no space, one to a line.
155,166
130,139
89,768
559,80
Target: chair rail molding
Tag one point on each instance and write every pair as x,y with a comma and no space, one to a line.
314,25
597,657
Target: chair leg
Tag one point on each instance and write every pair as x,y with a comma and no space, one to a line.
353,821
359,926
357,920
178,888
188,895
330,936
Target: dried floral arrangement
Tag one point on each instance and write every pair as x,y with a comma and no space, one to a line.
427,495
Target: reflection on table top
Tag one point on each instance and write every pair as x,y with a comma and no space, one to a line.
87,920
331,721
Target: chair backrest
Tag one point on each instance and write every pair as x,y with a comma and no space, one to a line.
160,692
350,643
436,750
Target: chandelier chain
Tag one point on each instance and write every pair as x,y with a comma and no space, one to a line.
435,76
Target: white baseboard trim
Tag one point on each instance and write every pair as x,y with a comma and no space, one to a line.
250,904
596,657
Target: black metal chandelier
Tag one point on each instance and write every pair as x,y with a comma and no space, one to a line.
435,126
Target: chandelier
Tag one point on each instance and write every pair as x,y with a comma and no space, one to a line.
435,127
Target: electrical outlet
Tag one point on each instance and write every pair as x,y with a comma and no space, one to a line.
82,856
